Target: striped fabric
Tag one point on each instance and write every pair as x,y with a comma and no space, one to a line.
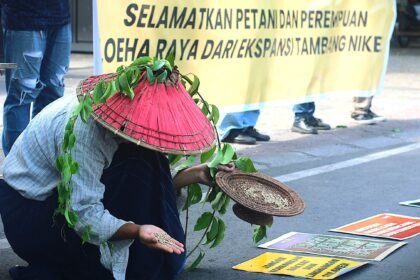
30,169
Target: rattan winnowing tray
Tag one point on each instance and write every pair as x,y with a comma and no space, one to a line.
260,193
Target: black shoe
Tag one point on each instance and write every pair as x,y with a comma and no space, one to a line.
237,136
300,125
367,118
316,123
252,132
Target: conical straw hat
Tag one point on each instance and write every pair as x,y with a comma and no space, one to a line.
161,116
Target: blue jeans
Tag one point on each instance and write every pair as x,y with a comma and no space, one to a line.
42,59
238,120
303,110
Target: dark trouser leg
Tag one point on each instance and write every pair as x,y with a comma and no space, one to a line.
303,110
139,189
361,105
53,251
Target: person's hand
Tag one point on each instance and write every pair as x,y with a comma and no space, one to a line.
156,238
205,177
226,167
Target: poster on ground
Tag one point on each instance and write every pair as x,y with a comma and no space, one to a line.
299,266
413,203
384,225
336,246
250,53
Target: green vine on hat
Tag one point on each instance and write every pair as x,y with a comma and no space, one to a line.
157,71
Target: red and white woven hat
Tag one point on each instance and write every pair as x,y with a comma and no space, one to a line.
161,116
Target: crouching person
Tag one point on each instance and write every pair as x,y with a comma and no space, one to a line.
123,193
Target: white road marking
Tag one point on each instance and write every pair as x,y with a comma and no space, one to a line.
348,163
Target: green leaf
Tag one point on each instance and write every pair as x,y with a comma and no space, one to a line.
72,141
196,262
162,76
215,203
220,234
120,69
215,115
76,112
216,160
129,73
67,159
225,206
66,173
205,108
174,159
214,229
194,87
71,217
194,195
228,153
59,163
86,109
98,92
212,194
88,106
135,78
116,84
245,164
150,76
122,80
260,232
213,171
86,234
66,140
190,161
168,66
396,130
222,202
171,59
204,221
158,64
70,123
341,126
144,60
110,89
207,155
104,244
62,194
74,168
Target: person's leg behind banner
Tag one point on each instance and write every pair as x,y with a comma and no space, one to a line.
55,65
239,127
23,84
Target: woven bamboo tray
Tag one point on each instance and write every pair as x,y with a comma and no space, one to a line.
251,216
260,193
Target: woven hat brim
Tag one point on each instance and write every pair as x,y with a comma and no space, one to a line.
196,134
260,193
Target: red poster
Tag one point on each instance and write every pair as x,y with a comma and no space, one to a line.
384,225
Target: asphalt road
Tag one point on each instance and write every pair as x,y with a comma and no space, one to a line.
334,197
332,200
